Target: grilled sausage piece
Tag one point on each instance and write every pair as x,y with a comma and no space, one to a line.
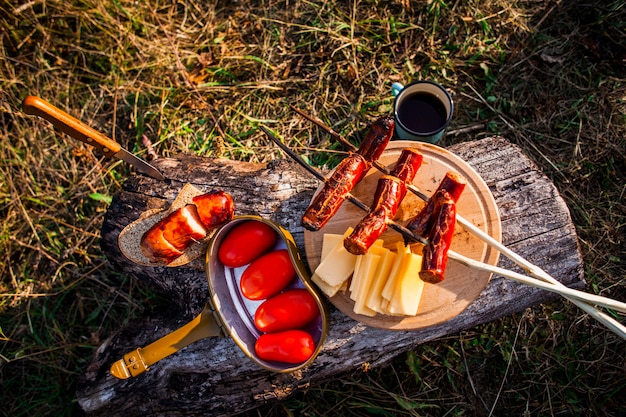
347,174
214,208
342,180
390,191
167,239
421,224
389,194
408,164
377,138
435,253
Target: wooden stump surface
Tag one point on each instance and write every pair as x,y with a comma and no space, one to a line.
212,376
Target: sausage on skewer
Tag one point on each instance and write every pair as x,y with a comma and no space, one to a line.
347,174
435,253
390,191
421,224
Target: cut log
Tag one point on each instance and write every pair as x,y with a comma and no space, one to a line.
212,376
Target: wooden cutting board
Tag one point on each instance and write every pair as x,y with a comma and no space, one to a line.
462,285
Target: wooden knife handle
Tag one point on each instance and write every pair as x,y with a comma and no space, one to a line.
70,125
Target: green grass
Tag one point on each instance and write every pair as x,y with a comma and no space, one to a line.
200,78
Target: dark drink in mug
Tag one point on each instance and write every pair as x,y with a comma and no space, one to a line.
422,110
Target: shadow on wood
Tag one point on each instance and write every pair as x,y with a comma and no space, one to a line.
212,376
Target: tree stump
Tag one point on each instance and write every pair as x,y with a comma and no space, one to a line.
212,376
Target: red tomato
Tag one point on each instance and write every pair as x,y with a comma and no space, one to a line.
288,310
245,242
290,346
267,275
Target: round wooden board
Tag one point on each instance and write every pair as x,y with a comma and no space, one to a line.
462,285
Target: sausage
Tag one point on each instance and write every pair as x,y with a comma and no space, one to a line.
336,187
409,162
390,191
157,249
171,236
377,138
435,253
389,194
214,208
421,224
168,238
347,174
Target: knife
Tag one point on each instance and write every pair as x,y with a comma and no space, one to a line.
78,130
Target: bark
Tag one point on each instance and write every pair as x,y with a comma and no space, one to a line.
212,376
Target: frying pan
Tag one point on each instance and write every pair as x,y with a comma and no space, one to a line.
228,313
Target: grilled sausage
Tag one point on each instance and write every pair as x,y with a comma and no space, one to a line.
347,174
421,224
390,191
214,208
167,240
435,253
342,180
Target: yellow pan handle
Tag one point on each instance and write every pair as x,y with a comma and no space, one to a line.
139,360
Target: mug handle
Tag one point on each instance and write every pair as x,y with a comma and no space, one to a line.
396,88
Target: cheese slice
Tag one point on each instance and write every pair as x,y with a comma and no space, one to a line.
338,264
363,273
370,284
329,241
373,297
376,249
356,274
388,289
408,287
329,290
369,266
362,285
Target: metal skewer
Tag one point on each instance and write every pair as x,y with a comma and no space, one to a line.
543,279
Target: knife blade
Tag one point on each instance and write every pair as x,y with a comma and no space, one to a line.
75,128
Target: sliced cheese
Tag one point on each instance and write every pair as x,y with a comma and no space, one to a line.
369,266
363,273
356,274
338,265
373,297
388,289
376,249
370,284
408,287
329,241
329,290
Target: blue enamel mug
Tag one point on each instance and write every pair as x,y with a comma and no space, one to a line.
423,110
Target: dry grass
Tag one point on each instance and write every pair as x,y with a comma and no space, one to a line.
195,77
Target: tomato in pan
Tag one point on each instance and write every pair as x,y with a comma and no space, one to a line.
267,275
290,346
291,309
246,242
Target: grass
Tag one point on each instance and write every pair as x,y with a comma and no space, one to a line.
194,77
